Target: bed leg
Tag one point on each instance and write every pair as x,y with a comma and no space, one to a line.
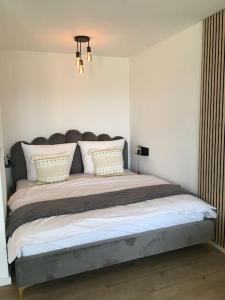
21,293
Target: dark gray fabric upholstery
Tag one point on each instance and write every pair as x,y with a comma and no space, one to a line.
19,170
61,263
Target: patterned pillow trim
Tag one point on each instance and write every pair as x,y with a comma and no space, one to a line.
108,162
52,168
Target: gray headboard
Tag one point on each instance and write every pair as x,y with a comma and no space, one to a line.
19,170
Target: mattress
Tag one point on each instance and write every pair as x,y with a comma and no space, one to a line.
49,234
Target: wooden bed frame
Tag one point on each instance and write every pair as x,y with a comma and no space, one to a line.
34,269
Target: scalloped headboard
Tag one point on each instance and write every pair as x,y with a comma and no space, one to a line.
19,170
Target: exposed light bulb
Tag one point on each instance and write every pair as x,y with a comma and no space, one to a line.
89,56
81,67
81,70
78,62
78,58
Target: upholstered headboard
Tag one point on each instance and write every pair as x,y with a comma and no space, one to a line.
19,170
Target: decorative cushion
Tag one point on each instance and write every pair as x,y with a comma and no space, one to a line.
34,150
52,168
108,162
87,147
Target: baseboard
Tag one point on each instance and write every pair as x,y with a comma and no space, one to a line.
5,281
221,249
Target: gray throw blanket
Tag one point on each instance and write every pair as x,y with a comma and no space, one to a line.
46,209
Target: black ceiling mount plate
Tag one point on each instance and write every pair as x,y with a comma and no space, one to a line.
82,38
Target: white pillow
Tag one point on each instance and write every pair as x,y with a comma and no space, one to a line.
32,150
87,147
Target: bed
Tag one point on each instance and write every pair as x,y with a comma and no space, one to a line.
66,244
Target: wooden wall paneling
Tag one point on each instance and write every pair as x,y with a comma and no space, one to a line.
212,119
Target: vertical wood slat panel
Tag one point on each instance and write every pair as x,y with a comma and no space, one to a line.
223,129
211,109
208,88
217,128
213,131
219,235
202,120
212,119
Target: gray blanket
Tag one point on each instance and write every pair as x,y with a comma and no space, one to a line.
45,209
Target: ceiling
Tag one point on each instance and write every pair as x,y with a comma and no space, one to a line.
116,27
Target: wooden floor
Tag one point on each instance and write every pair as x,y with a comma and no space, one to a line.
187,274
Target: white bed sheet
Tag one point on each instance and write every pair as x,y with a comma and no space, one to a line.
60,232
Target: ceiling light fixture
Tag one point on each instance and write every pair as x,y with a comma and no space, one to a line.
79,39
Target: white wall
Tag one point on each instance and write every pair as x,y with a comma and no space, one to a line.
4,272
42,93
165,104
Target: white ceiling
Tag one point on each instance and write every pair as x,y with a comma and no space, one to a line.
117,27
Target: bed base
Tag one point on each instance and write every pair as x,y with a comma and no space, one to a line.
34,269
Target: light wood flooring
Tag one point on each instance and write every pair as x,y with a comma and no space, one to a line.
187,274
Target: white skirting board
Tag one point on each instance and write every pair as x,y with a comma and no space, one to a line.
5,281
